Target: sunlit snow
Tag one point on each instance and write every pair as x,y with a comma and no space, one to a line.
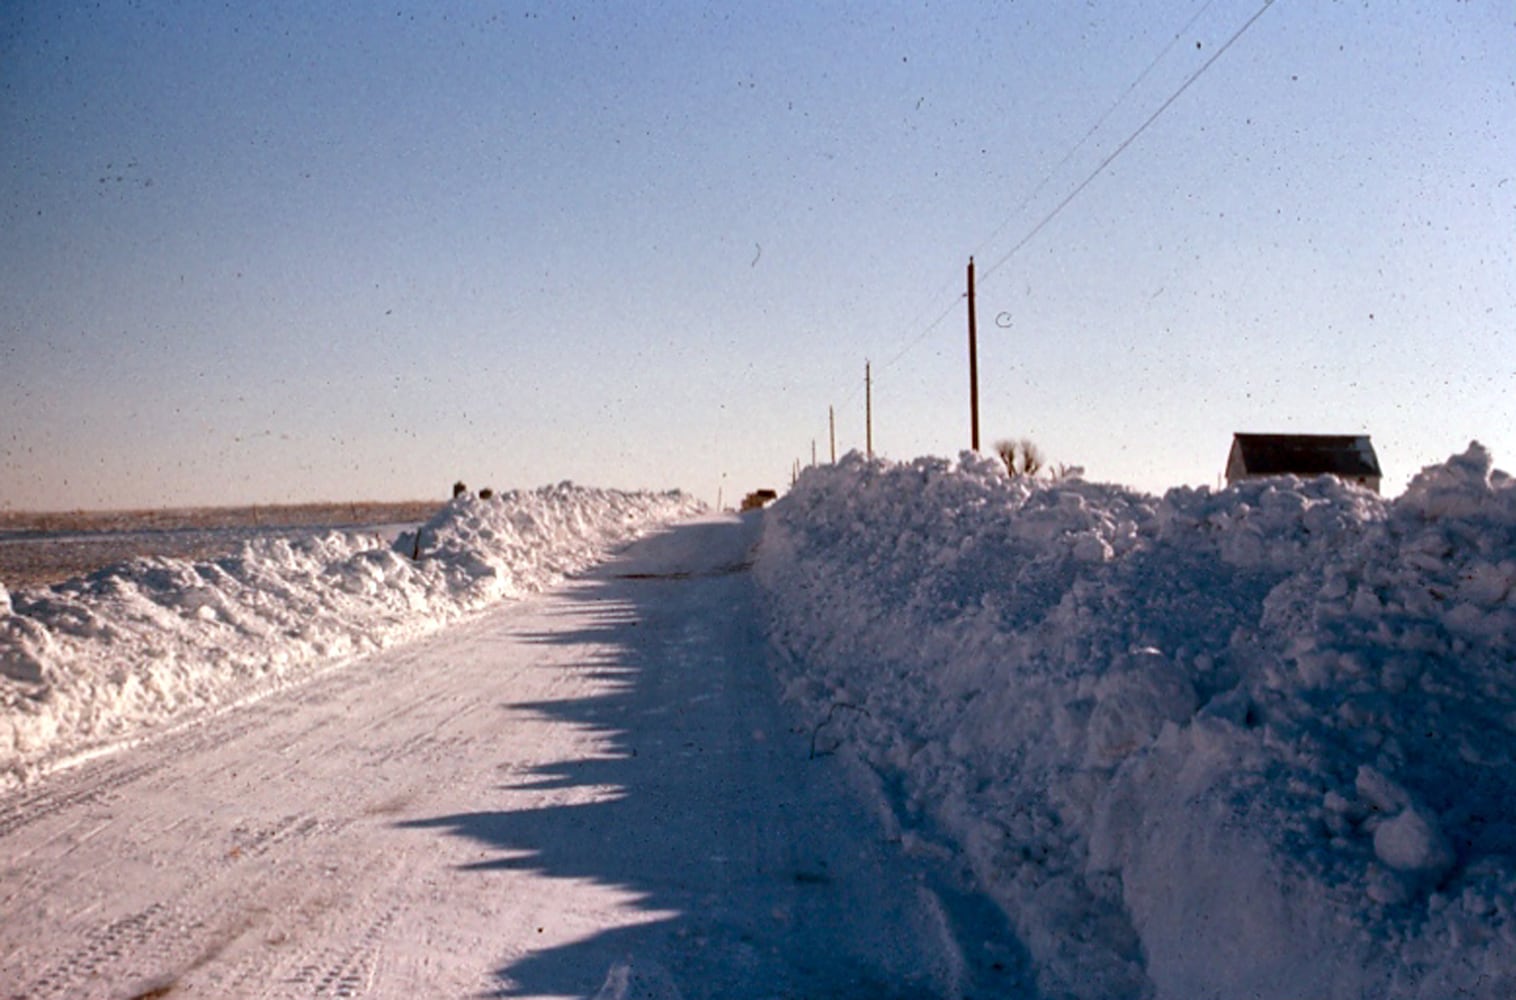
1254,742
1249,742
104,658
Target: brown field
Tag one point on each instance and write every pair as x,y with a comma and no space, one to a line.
37,549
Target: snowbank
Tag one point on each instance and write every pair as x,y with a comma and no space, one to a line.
1255,742
102,658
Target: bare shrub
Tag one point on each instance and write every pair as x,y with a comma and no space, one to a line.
1021,457
1006,449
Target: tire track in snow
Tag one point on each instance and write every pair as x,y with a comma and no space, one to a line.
346,971
258,841
264,897
98,780
94,786
81,972
247,887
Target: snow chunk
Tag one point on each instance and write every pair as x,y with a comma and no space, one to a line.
1411,842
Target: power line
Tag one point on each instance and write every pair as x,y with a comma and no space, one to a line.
934,324
1073,151
1089,179
1121,148
1099,123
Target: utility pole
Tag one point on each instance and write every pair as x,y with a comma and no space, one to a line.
973,366
868,409
831,423
813,453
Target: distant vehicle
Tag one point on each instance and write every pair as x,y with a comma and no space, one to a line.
758,498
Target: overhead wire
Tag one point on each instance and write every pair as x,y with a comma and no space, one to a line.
1100,168
1099,124
1122,147
1047,178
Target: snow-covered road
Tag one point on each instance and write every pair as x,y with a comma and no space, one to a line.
594,793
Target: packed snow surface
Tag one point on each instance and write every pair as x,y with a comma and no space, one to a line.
592,792
1247,743
96,660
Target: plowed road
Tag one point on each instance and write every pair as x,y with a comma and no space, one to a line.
594,793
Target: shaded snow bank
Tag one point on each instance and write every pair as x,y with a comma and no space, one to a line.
1255,742
101,658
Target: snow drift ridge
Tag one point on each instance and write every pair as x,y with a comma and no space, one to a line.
1255,742
99,659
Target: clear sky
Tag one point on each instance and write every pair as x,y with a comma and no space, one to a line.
250,253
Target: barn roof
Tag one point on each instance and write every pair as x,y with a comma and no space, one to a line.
1307,454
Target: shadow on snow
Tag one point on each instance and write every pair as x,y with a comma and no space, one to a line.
745,868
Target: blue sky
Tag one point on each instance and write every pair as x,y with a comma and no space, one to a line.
271,255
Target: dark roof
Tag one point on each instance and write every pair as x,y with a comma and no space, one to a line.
1308,454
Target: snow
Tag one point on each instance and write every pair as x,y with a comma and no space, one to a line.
1248,742
594,791
1245,742
102,659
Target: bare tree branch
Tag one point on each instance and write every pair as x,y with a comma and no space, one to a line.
1032,458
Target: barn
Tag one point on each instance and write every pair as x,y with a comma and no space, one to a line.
1349,457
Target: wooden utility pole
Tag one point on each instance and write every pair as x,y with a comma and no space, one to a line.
868,409
831,423
973,366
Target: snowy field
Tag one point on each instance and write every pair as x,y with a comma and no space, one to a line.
47,548
93,661
1248,743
